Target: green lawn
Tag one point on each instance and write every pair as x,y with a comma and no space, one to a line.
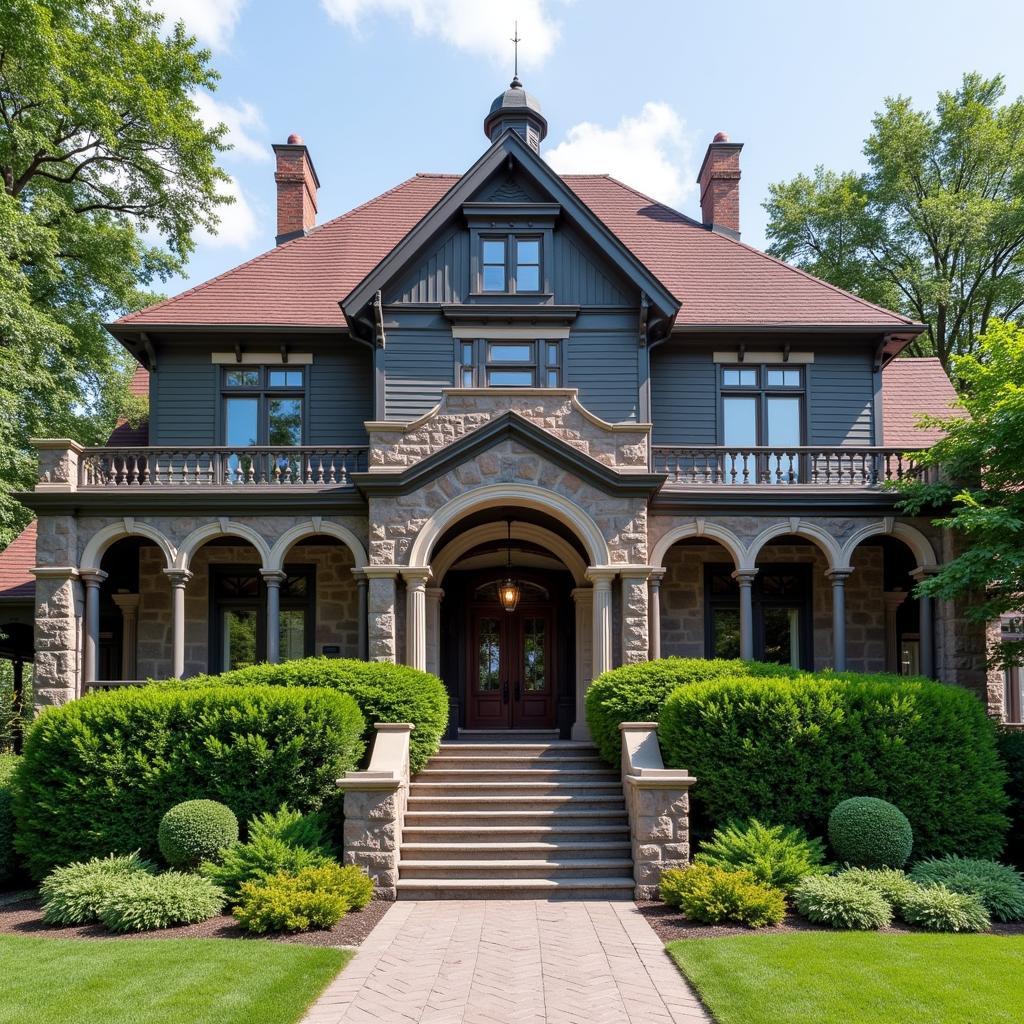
857,978
160,981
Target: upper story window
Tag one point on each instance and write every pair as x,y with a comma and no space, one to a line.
510,364
263,405
762,405
510,263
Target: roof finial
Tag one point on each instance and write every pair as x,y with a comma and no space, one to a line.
516,84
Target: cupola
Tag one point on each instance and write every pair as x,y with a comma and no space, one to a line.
515,108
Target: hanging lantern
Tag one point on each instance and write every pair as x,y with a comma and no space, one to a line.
508,589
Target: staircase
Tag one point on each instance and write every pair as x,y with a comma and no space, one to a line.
515,815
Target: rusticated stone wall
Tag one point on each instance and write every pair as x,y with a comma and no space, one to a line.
372,833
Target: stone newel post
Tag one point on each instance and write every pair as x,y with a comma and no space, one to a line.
658,803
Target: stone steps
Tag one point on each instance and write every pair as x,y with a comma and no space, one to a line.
618,887
559,851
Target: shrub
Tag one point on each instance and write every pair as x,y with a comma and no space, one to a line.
384,693
313,898
939,909
870,833
840,903
1000,888
774,854
99,773
141,902
72,894
791,749
893,885
194,831
636,693
292,827
1011,750
713,895
8,856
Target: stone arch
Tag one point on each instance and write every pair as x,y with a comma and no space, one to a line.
523,495
127,527
912,537
315,527
699,528
558,546
221,528
828,545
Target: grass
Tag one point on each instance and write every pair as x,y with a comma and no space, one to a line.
856,978
160,981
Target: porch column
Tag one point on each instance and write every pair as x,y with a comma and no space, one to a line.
416,615
92,578
361,587
893,600
434,598
926,630
179,580
654,612
838,577
129,605
601,577
745,578
380,615
273,578
635,614
583,598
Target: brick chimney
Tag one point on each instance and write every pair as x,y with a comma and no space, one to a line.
297,185
719,181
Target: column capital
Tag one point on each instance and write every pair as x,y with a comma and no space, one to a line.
416,575
360,575
894,598
381,572
273,577
602,575
582,595
178,577
745,577
657,575
92,577
128,603
435,593
839,575
922,572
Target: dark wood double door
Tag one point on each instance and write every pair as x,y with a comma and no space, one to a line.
511,666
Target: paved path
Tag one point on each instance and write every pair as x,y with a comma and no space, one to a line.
498,962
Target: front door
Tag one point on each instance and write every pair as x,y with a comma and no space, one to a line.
511,660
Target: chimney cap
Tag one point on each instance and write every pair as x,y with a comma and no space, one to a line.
295,139
719,137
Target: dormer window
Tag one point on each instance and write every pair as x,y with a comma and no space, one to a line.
510,264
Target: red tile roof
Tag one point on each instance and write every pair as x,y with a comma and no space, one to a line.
716,279
912,387
16,582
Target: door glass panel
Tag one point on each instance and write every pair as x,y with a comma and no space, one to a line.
534,671
238,636
285,421
783,432
293,634
725,632
740,431
782,636
241,417
488,657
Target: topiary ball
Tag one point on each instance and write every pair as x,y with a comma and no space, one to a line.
194,831
866,832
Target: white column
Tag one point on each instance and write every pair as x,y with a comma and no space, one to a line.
434,598
838,577
745,579
92,578
273,578
362,605
583,598
416,615
129,605
654,612
601,577
179,580
926,629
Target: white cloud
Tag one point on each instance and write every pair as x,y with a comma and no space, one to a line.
652,152
213,22
241,120
239,226
478,26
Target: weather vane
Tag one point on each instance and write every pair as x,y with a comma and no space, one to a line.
515,42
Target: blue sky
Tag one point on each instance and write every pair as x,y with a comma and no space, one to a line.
380,89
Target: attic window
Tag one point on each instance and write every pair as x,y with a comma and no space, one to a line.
510,263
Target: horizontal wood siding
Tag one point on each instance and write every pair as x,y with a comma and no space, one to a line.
183,398
340,395
684,404
601,360
840,399
581,277
419,364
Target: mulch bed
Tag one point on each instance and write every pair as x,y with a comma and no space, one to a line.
670,925
25,917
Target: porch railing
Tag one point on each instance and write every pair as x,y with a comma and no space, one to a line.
305,466
782,467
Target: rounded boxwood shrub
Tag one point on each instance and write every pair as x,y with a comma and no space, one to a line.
194,831
791,749
636,693
939,909
8,855
866,832
142,902
98,773
840,903
713,895
72,894
1000,888
384,693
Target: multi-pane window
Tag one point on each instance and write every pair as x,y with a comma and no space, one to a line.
510,263
510,364
263,406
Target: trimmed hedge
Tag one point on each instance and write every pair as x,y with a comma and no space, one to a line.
8,855
1011,750
98,773
384,693
791,749
637,693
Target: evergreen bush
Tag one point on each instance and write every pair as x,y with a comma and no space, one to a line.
8,855
866,832
939,909
142,902
194,831
841,903
1000,888
72,894
713,895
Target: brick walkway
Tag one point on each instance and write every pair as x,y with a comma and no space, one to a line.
497,962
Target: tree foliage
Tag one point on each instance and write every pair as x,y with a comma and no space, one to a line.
977,472
107,170
934,228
